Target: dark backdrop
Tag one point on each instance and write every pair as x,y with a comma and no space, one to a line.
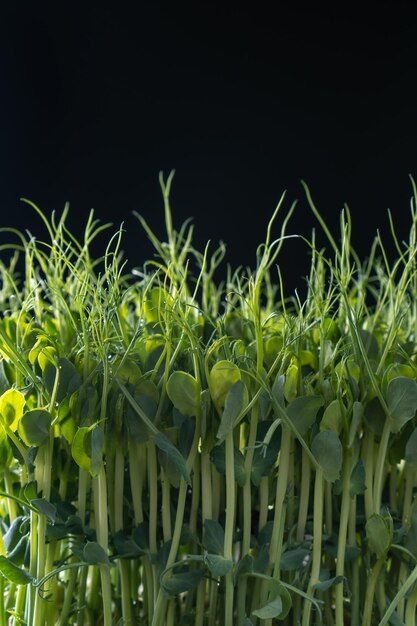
243,103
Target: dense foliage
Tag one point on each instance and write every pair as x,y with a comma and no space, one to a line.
176,452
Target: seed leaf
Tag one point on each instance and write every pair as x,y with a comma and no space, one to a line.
97,449
329,582
357,479
303,411
34,427
94,554
293,559
69,379
223,375
175,583
402,401
270,610
79,448
357,414
332,418
265,456
11,408
45,507
379,534
328,451
213,537
235,404
183,391
218,565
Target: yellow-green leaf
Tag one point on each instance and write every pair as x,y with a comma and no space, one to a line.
11,408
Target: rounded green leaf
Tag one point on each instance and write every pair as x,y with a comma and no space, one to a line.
218,565
411,449
34,427
11,408
223,375
328,451
270,610
332,418
95,554
175,583
235,405
157,301
81,448
401,401
378,534
303,411
183,391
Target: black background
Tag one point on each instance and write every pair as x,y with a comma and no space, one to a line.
242,102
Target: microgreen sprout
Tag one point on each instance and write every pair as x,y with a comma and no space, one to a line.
176,451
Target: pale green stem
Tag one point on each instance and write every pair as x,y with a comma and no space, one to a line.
370,591
341,545
229,526
317,538
380,466
304,497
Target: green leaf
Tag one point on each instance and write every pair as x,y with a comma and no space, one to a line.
303,411
291,381
244,566
401,401
270,610
45,507
157,301
293,559
183,391
175,583
357,414
126,547
4,383
97,449
34,427
218,565
328,452
13,573
80,448
278,390
141,536
13,534
280,603
411,449
11,408
69,379
374,416
378,534
163,443
94,554
235,405
332,418
170,469
87,448
265,456
223,375
218,458
137,429
329,582
357,479
213,537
